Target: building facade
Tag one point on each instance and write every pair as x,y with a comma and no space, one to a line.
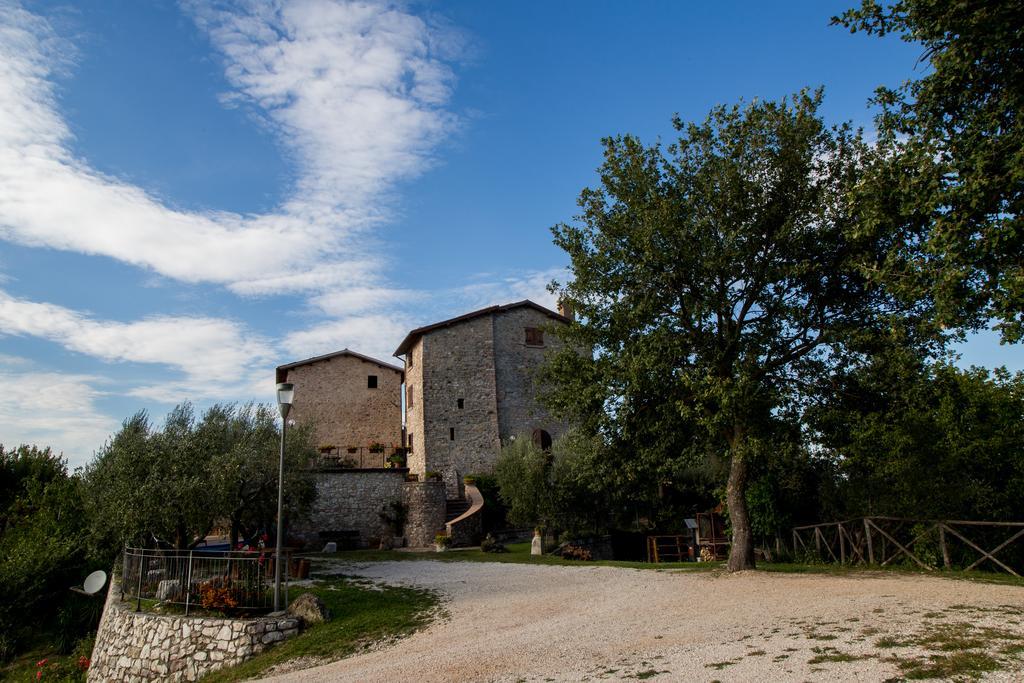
352,400
470,388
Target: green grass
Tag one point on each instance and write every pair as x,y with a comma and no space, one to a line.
954,665
360,617
518,553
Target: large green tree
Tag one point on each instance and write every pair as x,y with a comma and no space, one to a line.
718,280
926,440
954,141
172,485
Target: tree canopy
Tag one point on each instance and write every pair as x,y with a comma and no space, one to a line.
719,281
171,485
953,183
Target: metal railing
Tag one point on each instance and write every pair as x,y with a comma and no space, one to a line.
221,581
360,458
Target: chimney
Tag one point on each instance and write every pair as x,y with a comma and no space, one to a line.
565,309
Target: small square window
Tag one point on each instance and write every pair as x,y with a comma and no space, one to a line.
371,381
461,403
451,433
534,336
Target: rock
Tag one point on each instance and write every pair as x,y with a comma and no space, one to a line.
273,637
331,547
309,608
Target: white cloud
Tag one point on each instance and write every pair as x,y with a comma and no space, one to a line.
491,289
211,352
53,409
374,335
354,91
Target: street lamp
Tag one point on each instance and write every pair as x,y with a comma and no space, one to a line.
285,394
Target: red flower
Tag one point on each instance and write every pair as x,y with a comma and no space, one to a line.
83,662
41,663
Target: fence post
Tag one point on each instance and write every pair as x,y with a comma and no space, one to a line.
138,586
942,544
188,583
867,535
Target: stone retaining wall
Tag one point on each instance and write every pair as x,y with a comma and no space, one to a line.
426,501
351,500
138,646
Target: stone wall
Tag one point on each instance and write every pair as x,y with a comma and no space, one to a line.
415,459
516,365
333,395
426,501
458,363
352,499
136,646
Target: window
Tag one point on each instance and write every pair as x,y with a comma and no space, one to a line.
371,381
451,433
408,359
534,336
410,442
461,403
408,397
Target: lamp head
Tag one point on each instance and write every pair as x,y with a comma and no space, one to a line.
285,395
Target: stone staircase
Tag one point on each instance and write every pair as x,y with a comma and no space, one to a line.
455,508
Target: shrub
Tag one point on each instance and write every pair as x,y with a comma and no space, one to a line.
443,540
575,552
492,545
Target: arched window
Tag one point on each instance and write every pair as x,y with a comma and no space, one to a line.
542,440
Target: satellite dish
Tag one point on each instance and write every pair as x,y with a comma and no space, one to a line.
95,582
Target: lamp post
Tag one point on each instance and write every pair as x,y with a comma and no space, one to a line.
285,393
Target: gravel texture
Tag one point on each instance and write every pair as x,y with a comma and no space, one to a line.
509,622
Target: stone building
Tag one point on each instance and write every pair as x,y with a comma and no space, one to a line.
470,388
352,400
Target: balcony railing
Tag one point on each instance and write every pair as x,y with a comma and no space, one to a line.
361,458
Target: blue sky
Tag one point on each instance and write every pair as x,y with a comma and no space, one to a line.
192,193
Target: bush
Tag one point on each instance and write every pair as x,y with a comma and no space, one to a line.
492,545
575,552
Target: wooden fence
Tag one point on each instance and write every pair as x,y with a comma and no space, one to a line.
883,540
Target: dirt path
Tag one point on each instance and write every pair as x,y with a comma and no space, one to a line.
513,622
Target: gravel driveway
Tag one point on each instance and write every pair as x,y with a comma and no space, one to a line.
509,622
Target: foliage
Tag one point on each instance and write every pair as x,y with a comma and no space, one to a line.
558,490
954,177
575,552
42,549
395,515
443,540
217,594
492,545
719,281
927,441
170,485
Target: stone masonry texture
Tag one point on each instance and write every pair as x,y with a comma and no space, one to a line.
426,512
351,500
485,362
332,394
136,646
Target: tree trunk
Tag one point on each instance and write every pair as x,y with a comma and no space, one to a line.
741,552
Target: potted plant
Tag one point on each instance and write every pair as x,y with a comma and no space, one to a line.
396,459
376,447
353,449
442,542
